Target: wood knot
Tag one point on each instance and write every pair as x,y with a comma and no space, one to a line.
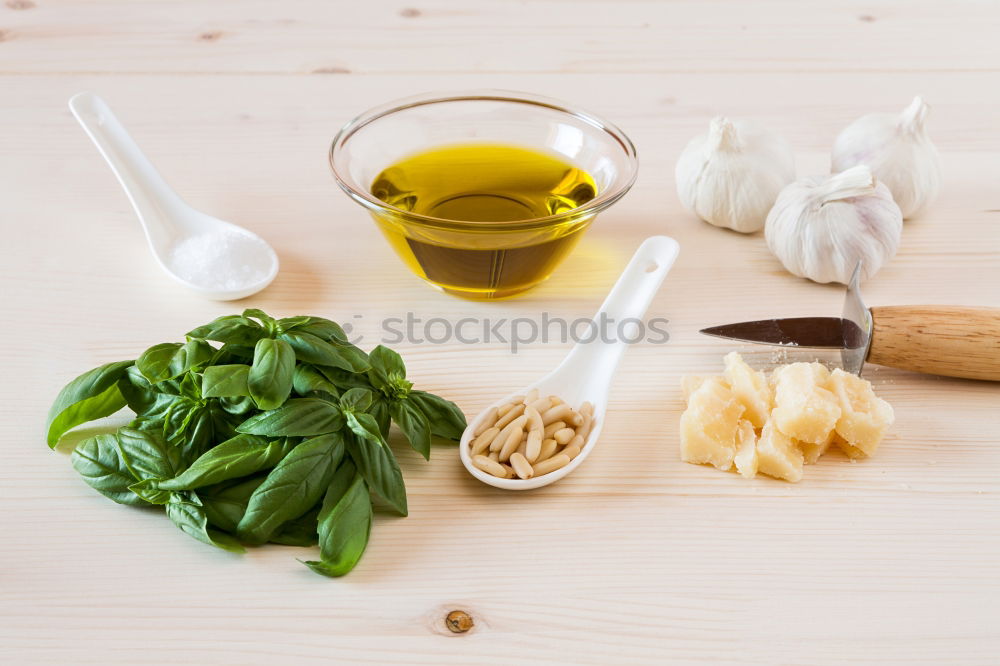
211,36
410,12
5,35
866,18
20,5
459,622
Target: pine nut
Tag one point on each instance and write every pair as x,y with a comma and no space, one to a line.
571,451
564,436
533,447
551,429
531,397
551,465
489,466
549,447
499,440
517,399
482,442
556,400
508,469
503,409
557,413
534,418
494,456
491,418
521,466
588,424
587,408
522,448
511,414
575,419
541,405
511,444
577,441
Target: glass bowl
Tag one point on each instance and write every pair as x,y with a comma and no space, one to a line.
476,258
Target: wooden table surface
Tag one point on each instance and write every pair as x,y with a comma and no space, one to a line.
635,558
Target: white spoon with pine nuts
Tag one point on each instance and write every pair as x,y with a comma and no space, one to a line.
575,394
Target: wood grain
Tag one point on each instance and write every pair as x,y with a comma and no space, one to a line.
636,558
941,340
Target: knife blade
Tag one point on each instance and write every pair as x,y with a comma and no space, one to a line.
817,332
850,333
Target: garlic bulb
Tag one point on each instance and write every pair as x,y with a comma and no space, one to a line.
897,149
820,227
731,176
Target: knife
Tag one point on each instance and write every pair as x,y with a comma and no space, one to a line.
935,339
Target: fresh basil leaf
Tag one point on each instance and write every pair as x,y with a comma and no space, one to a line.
325,329
288,323
303,417
354,357
300,532
230,353
331,332
307,381
154,364
387,366
231,329
242,455
344,380
364,427
269,323
171,387
291,488
139,381
190,386
375,461
414,425
192,355
356,399
144,401
225,503
181,413
92,395
310,349
270,378
148,490
223,423
187,513
201,434
141,423
445,418
380,412
238,406
99,463
146,454
225,381
345,523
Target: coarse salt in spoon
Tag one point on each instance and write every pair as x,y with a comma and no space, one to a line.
215,258
586,373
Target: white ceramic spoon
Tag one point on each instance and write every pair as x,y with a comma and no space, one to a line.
586,373
165,217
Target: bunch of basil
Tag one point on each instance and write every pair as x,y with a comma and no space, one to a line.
278,434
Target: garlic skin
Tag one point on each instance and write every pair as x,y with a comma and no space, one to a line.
731,176
820,227
898,151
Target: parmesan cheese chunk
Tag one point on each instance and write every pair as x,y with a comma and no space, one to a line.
709,425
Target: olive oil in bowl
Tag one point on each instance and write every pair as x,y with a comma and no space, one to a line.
465,217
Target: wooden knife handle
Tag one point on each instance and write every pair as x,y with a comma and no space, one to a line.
938,339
